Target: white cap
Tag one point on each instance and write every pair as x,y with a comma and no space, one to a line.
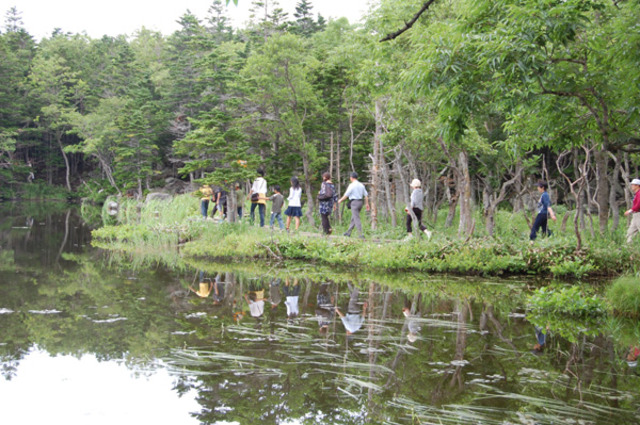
416,183
636,182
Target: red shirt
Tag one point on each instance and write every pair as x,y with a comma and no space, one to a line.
636,202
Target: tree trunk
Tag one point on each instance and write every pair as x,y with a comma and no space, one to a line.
337,173
307,188
602,197
66,161
452,200
465,225
613,193
387,187
375,166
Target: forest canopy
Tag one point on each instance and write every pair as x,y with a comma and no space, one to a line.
478,99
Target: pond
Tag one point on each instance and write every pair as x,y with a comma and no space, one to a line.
88,336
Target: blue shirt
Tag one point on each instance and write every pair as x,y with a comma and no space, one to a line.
356,190
544,203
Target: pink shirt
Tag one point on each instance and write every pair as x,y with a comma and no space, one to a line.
636,203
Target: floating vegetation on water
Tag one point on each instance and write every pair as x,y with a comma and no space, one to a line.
574,301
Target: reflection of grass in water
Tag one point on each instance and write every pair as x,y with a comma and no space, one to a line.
525,409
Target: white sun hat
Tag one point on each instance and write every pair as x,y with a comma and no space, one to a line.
416,183
636,182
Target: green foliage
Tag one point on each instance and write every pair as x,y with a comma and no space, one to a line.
624,296
572,301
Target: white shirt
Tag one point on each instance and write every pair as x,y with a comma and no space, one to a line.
259,186
256,308
292,305
356,190
352,322
294,197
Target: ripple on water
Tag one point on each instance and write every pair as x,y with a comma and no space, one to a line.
45,311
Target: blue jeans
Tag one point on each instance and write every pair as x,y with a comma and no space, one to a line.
252,215
239,213
541,222
204,207
277,216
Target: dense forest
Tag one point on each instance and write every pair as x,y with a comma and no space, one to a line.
478,99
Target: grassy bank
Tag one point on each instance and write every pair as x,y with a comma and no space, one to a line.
164,225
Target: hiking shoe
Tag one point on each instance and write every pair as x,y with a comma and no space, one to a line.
428,233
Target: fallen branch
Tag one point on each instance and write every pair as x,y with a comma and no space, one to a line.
273,254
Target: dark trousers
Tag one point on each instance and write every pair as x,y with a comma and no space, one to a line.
204,207
252,214
418,213
326,224
540,223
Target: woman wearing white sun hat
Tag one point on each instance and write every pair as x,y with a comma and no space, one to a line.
417,206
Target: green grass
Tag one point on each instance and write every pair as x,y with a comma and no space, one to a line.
624,296
158,225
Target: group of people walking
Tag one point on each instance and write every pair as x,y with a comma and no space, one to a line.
357,198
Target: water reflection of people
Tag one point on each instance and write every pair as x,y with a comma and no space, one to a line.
204,288
255,299
354,319
541,340
325,309
292,292
412,322
634,353
275,296
218,290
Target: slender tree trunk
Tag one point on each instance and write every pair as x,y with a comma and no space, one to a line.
465,225
375,166
66,161
232,203
387,187
307,188
601,157
613,193
337,173
452,200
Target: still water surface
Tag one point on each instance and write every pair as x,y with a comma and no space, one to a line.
89,337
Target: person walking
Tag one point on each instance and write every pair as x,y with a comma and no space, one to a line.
357,194
327,198
276,207
634,227
258,193
417,206
295,203
239,201
221,202
206,193
544,210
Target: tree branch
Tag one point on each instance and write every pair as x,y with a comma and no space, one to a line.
408,25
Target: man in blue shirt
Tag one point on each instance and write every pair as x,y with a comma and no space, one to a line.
357,193
544,210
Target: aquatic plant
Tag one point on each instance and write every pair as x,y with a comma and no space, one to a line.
573,301
624,296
